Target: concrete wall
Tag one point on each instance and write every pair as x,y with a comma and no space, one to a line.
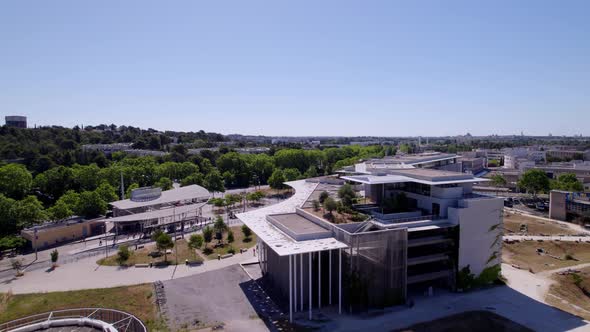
480,222
64,233
557,205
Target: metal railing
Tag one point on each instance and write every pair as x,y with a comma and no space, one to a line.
120,320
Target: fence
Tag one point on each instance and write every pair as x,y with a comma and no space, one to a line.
120,320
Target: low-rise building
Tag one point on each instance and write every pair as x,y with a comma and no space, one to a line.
17,121
55,233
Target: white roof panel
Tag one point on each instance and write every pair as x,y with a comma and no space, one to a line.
169,196
278,241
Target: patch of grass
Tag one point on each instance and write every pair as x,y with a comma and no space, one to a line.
137,300
239,243
535,226
142,256
568,293
524,254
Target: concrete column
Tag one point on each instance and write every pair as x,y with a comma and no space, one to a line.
295,283
290,289
301,280
310,284
340,281
330,276
319,279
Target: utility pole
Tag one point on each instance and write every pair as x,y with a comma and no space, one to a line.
35,234
122,187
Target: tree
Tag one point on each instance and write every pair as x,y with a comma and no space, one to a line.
195,241
7,220
107,192
219,227
132,187
12,242
15,181
323,196
196,178
230,236
330,205
71,199
246,231
277,179
567,182
311,172
123,254
55,182
498,180
255,196
91,205
28,212
214,182
315,204
164,183
207,235
60,211
534,181
17,265
54,257
292,174
347,195
163,243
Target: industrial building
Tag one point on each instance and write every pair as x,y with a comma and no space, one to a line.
59,232
17,121
311,262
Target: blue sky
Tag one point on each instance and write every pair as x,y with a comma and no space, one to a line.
387,68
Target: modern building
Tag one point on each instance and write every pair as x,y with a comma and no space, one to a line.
55,233
421,226
473,165
150,208
17,121
432,160
564,205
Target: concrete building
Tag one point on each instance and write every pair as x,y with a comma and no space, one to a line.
55,233
17,121
431,160
564,205
473,165
423,226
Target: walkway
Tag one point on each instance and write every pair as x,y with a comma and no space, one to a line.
566,238
87,274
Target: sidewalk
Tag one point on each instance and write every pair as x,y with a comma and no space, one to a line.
86,274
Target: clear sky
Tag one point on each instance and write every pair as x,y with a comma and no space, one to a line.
388,68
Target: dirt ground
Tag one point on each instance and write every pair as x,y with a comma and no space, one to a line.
566,295
481,321
535,226
524,254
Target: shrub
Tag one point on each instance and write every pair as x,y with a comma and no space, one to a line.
330,205
315,204
323,196
207,251
195,241
465,279
123,254
231,250
230,236
54,256
489,275
247,232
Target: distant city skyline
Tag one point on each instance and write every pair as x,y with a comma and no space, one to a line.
304,68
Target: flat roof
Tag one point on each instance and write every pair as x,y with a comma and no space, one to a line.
183,211
299,227
169,196
398,178
279,241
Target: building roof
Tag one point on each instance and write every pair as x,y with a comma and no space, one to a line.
419,175
298,227
182,212
278,240
169,196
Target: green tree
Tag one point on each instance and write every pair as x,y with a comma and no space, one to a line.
54,256
123,254
55,182
59,211
207,235
164,183
91,205
534,181
498,180
12,242
196,178
28,212
86,177
347,195
219,227
330,205
7,220
311,172
246,231
214,182
107,192
163,243
277,179
195,241
567,182
323,196
15,181
292,174
132,187
71,199
230,236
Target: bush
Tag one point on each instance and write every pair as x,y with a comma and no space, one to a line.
330,205
465,279
247,232
123,254
195,241
315,204
231,250
323,196
489,275
230,236
54,256
207,251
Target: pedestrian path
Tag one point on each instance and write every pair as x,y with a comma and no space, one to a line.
86,274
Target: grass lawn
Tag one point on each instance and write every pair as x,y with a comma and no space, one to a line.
137,300
567,296
535,226
524,254
237,244
141,256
